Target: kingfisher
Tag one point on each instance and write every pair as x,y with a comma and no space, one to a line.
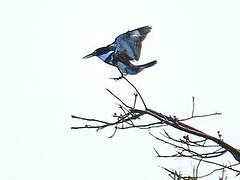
125,48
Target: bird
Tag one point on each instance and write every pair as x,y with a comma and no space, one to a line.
125,48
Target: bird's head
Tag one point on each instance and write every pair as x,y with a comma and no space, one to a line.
98,52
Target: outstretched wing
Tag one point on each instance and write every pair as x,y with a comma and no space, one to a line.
131,42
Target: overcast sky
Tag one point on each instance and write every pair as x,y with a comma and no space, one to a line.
44,81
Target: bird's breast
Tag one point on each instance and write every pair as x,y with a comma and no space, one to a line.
105,57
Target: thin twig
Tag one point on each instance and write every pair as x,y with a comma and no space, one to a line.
200,116
87,119
118,98
144,104
135,100
193,104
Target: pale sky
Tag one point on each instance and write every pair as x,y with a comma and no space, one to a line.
44,81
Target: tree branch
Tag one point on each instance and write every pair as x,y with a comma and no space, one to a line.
187,148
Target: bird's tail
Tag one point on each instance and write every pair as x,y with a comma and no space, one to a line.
141,67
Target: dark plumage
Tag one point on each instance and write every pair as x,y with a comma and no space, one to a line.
131,41
125,48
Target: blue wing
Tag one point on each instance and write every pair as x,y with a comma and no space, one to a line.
131,42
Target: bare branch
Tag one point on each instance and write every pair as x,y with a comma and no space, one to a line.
203,149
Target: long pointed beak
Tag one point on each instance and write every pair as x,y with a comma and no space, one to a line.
88,56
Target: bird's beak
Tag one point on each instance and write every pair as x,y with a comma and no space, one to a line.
88,56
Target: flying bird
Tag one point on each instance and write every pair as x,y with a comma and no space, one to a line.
125,48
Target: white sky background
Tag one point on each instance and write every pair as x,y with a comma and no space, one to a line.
44,81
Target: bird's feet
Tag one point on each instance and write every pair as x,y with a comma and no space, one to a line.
116,79
119,78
